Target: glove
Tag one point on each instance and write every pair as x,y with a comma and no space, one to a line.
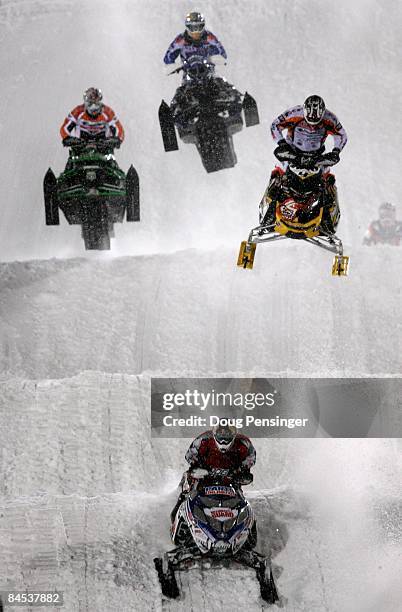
199,472
284,151
217,59
332,157
243,476
70,141
115,142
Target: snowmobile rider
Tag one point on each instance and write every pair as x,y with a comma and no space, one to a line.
307,128
197,41
221,450
91,120
386,229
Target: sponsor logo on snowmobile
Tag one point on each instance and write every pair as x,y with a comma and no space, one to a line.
304,173
220,490
222,513
289,209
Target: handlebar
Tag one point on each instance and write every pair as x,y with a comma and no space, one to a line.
305,161
218,475
104,144
191,62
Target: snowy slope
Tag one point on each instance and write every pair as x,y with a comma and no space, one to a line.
196,312
85,492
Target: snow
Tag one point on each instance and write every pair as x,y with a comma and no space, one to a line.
195,312
85,492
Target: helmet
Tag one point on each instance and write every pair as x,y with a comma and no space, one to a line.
313,109
93,100
387,209
224,436
387,214
195,23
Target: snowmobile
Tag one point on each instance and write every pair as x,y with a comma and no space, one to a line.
207,112
302,211
214,526
92,191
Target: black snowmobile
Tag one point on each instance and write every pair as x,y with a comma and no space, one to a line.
206,111
92,191
214,526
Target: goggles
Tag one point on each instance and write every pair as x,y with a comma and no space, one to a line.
224,439
93,107
195,27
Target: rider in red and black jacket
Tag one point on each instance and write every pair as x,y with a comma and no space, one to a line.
221,450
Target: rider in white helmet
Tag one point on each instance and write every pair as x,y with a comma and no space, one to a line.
307,127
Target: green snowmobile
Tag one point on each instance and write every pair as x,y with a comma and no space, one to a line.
92,191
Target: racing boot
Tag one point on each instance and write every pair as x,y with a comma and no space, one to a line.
330,213
270,198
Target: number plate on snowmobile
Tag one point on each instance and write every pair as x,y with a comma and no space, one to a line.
220,490
340,267
246,254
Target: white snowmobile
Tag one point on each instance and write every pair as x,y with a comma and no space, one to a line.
214,526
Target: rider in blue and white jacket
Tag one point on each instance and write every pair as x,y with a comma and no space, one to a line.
194,41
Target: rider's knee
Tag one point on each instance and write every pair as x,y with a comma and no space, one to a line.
329,179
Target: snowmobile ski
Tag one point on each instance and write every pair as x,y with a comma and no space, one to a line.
132,195
246,255
340,267
167,579
50,194
167,128
268,589
250,110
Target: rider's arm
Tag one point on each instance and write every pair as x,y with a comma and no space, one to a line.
174,49
335,128
194,453
215,47
114,124
247,456
286,121
70,122
250,454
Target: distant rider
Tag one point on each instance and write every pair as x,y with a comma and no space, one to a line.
195,41
91,120
386,229
221,451
307,128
